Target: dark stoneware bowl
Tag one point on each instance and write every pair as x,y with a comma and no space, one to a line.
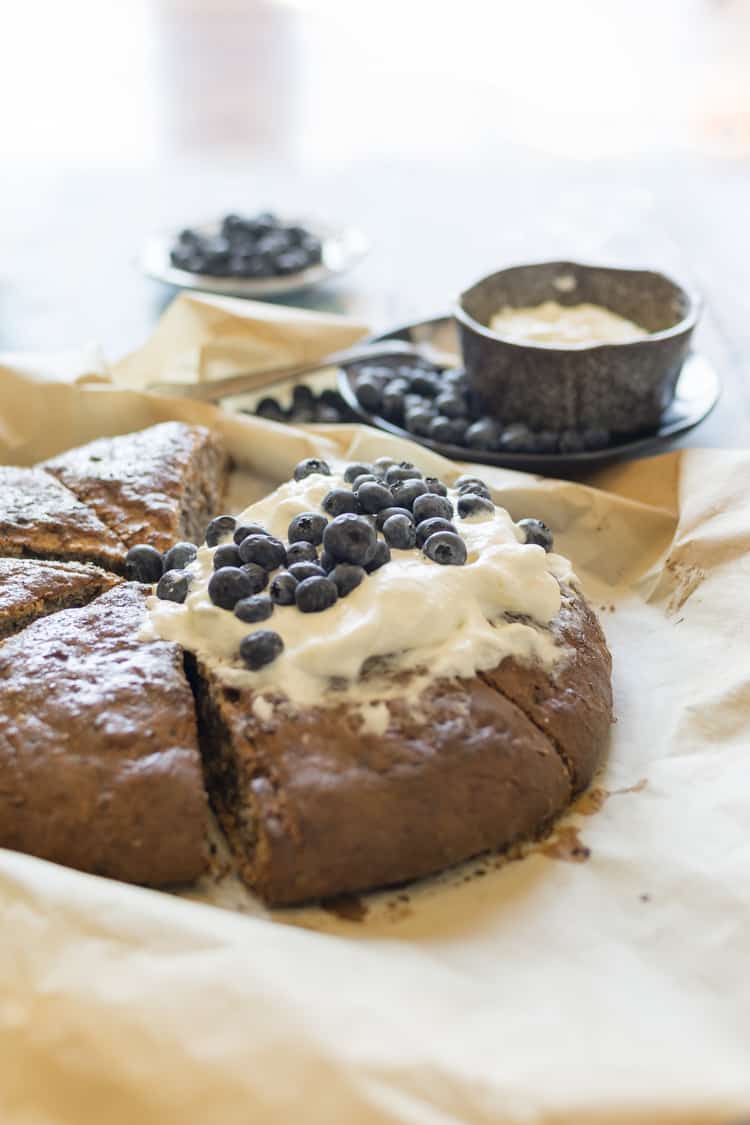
623,388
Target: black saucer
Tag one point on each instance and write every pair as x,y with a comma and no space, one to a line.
697,392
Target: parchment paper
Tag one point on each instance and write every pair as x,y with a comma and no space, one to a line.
602,979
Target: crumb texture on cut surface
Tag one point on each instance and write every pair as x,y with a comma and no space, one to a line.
99,762
154,486
41,518
32,588
314,805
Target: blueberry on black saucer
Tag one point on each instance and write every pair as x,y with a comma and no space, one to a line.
257,576
347,577
483,435
534,531
313,595
339,500
218,528
227,555
179,556
244,529
307,527
301,552
349,538
173,586
227,586
446,548
451,404
259,607
373,496
400,532
260,648
386,513
596,439
143,564
431,506
516,439
282,588
311,465
368,393
357,469
570,441
378,557
303,570
264,550
418,420
429,527
448,431
472,504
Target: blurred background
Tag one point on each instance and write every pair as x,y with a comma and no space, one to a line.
461,137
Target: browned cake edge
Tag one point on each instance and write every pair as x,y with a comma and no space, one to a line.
77,585
205,485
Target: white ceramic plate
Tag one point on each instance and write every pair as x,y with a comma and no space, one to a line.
342,248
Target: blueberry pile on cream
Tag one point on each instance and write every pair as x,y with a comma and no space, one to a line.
407,571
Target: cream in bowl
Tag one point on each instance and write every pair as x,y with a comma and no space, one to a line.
564,326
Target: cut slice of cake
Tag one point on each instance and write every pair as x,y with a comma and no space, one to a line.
32,588
154,486
99,762
41,518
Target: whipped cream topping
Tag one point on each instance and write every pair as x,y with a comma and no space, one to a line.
565,326
425,620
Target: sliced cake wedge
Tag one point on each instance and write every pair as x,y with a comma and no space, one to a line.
32,588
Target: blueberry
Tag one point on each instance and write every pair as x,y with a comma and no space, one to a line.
302,395
448,431
392,405
429,506
346,578
378,556
143,564
257,608
327,562
570,441
173,586
227,555
546,442
339,500
446,548
596,439
483,434
257,575
374,496
282,588
311,465
455,378
307,527
313,595
368,393
301,552
429,527
364,478
424,383
246,529
260,648
349,538
419,420
179,556
269,408
386,513
451,404
405,492
381,465
534,531
357,470
218,528
400,533
474,485
327,415
515,439
302,415
472,504
436,486
228,585
303,570
291,261
264,550
401,472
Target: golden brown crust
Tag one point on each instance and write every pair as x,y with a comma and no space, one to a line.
573,706
99,763
41,518
315,806
32,588
155,486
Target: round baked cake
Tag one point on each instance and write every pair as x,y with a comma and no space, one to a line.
391,674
